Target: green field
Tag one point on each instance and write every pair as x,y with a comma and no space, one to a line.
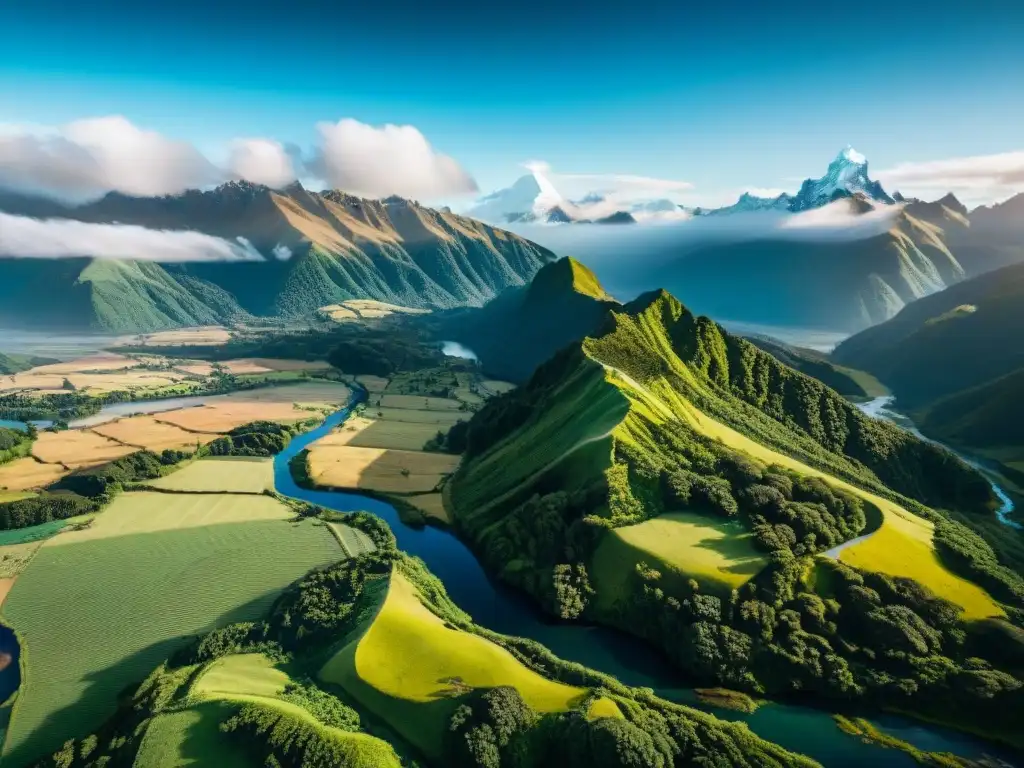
191,736
720,555
228,474
126,599
408,663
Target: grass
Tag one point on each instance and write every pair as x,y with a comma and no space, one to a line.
362,432
149,512
409,664
441,419
229,474
192,737
903,545
32,533
858,726
720,555
416,402
125,601
378,470
430,504
352,540
9,496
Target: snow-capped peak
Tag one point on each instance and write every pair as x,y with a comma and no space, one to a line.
851,155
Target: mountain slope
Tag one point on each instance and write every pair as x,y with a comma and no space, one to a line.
962,337
319,249
846,381
846,285
642,475
522,327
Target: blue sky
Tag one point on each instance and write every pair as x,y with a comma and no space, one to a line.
754,94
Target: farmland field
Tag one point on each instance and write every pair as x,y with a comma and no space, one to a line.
228,474
207,335
377,469
362,432
372,383
146,512
149,433
420,403
440,419
718,554
430,504
403,664
77,448
27,473
127,599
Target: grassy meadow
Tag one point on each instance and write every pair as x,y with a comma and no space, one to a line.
153,569
408,664
720,555
225,474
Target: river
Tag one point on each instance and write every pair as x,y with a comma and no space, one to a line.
491,604
498,607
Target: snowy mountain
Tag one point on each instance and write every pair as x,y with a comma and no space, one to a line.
846,176
531,198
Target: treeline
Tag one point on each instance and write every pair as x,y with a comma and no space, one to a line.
260,438
14,444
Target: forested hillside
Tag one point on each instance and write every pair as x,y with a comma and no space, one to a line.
675,481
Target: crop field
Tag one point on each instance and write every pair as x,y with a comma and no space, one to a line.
420,403
901,547
6,582
381,433
77,448
440,419
718,554
407,661
144,512
14,558
227,474
127,599
222,414
28,474
497,387
207,335
99,373
378,469
146,432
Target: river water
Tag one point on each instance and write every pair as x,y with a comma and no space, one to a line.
809,731
496,606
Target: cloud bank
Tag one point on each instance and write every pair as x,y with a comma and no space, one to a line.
390,160
24,237
86,159
981,178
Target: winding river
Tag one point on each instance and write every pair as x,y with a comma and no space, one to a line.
496,606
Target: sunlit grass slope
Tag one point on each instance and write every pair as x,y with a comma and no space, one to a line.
409,663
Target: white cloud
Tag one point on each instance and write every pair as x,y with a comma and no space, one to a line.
88,158
24,237
261,161
282,252
390,160
977,179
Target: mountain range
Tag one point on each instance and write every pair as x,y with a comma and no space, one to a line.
318,249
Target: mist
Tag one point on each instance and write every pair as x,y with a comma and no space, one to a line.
28,238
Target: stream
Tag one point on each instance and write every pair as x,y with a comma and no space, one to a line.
801,729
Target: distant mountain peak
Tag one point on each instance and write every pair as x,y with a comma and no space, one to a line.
562,276
953,203
846,175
